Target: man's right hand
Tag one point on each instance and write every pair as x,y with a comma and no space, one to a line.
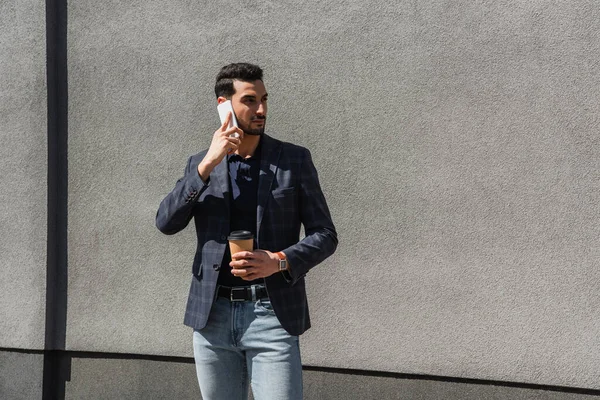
222,143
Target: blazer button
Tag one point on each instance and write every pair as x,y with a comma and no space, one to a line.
223,237
216,267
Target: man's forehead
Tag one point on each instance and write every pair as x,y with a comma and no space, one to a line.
256,88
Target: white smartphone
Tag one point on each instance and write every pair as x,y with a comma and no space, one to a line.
225,108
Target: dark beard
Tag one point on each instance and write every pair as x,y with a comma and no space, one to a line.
254,132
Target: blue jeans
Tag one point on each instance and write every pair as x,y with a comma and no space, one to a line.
244,342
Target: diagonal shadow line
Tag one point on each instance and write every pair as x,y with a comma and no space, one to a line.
450,379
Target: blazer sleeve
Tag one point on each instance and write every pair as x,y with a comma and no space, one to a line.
176,210
320,239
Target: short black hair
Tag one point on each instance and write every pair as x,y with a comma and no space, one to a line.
236,72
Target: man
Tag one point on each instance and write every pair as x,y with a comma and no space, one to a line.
248,308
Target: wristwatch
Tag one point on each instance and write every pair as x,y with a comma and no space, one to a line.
283,264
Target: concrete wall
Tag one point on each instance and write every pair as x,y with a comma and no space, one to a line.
21,375
456,143
457,147
23,197
23,177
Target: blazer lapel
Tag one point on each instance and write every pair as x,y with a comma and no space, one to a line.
220,176
269,160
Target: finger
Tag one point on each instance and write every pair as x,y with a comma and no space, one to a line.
242,255
251,275
234,140
239,264
239,132
233,132
239,272
232,145
225,123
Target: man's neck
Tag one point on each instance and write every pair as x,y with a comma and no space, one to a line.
248,146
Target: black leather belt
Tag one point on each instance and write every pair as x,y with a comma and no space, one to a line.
243,293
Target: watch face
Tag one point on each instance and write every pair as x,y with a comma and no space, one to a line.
282,265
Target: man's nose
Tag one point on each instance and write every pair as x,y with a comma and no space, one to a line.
261,109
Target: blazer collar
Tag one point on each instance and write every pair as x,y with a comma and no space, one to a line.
269,156
269,161
220,175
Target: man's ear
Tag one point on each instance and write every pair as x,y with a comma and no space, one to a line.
221,99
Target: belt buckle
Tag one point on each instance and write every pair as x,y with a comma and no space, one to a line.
241,294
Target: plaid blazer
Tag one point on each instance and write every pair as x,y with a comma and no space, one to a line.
289,195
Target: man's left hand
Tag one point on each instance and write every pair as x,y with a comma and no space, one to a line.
250,265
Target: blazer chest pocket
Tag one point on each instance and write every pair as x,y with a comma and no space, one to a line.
283,199
279,193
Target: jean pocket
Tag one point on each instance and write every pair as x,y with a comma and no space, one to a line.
264,306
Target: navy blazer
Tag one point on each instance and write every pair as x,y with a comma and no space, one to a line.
289,195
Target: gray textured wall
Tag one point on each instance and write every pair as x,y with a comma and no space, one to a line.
457,145
20,375
23,189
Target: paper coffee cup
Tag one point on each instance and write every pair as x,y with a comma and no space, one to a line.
241,241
